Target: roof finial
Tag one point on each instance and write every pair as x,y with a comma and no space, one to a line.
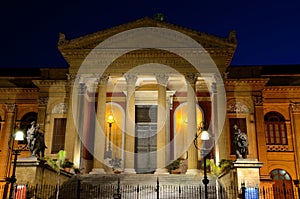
159,17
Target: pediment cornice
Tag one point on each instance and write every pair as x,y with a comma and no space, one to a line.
90,41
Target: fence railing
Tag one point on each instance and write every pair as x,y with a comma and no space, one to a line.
82,190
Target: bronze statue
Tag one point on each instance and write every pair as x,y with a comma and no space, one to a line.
240,143
35,140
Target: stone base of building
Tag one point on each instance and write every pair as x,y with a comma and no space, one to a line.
192,172
161,171
32,171
129,170
97,171
247,172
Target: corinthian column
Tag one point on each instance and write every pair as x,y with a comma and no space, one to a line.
99,142
191,124
162,80
6,139
130,123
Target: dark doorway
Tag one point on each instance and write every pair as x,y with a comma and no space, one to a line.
145,138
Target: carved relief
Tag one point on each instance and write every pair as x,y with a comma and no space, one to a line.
60,108
237,107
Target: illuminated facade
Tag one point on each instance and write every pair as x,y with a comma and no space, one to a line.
146,75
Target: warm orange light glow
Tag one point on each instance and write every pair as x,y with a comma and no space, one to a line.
110,119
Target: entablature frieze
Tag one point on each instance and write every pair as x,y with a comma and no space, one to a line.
282,92
49,83
18,94
245,84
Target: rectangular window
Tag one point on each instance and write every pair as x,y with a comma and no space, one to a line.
59,132
275,133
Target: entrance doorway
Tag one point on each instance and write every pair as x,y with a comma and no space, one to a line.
145,138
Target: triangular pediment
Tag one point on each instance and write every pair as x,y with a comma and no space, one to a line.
90,41
221,49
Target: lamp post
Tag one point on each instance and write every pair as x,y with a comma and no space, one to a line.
204,137
110,120
19,136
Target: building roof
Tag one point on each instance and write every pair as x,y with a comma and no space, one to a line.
279,75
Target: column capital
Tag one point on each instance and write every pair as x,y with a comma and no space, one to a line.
258,100
295,107
130,78
191,78
81,88
10,107
43,101
103,79
162,78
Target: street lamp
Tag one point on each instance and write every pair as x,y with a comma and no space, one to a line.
18,136
204,136
110,120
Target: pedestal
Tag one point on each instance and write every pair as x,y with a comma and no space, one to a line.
32,171
247,172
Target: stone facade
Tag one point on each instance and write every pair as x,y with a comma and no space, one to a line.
181,78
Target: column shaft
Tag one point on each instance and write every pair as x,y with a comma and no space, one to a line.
99,145
192,126
130,123
161,123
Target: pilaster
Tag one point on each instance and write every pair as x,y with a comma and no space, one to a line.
261,136
6,139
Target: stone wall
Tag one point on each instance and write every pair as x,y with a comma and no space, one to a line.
32,171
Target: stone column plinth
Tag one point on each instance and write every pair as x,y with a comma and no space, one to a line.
32,171
247,172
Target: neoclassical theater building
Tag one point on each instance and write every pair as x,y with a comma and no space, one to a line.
142,90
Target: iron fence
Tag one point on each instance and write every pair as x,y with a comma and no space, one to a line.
83,190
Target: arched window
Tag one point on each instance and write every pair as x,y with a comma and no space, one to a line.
275,129
283,186
280,174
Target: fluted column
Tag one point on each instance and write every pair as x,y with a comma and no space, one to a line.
99,143
162,80
191,123
261,136
6,140
130,123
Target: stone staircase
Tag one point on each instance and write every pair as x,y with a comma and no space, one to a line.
143,179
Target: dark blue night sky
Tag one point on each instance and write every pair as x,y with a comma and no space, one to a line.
268,32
